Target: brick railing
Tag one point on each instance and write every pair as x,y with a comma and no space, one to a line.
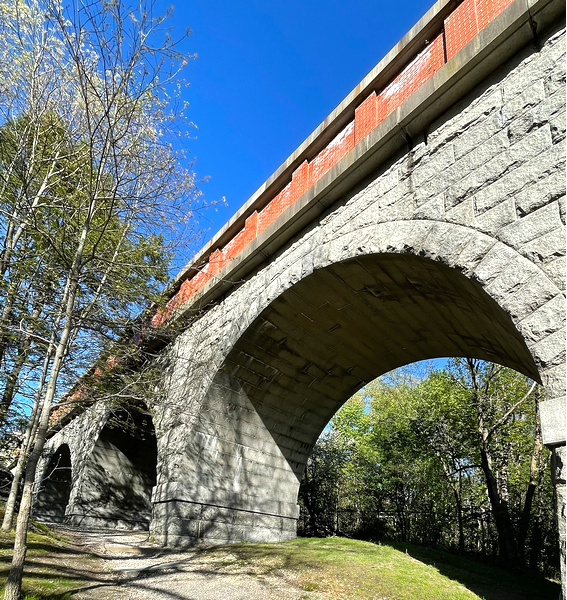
457,29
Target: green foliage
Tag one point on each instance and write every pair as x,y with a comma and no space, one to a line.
95,191
406,459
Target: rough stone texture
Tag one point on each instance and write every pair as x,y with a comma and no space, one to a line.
454,247
80,437
111,473
559,475
473,214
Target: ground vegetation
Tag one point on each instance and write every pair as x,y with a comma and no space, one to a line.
453,459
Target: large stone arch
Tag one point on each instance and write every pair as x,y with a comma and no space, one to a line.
79,436
235,456
113,451
467,207
481,191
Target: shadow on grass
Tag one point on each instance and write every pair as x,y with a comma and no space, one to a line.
52,570
488,582
40,548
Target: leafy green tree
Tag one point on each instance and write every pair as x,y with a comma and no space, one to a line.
416,458
499,401
91,177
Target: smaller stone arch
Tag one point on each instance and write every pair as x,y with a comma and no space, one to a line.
55,487
119,475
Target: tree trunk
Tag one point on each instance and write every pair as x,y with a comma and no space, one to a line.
4,318
14,583
29,435
506,539
536,469
508,550
460,522
20,466
26,446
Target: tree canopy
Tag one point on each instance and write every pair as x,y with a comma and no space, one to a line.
453,459
96,190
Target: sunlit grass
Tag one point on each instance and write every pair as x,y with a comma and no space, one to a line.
342,568
44,579
333,568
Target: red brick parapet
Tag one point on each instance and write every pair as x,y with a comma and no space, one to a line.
459,27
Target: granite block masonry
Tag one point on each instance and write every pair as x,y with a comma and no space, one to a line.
438,231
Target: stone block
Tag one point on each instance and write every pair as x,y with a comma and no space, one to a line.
557,123
491,141
497,218
556,270
478,177
545,320
549,184
493,262
462,213
523,124
511,279
516,107
434,209
551,350
532,226
553,418
467,114
535,293
546,248
486,129
434,166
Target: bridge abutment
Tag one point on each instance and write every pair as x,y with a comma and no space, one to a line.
231,481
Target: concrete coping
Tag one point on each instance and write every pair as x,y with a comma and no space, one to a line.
392,63
495,44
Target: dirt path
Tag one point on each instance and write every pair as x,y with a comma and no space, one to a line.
131,568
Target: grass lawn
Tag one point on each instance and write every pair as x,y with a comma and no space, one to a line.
342,568
52,568
332,568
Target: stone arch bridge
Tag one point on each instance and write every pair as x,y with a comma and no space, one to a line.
423,218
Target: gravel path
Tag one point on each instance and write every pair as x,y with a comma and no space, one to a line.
130,567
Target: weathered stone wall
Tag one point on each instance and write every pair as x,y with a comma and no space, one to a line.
112,471
80,435
453,246
481,192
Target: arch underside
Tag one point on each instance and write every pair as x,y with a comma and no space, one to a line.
119,474
346,324
292,368
55,487
442,252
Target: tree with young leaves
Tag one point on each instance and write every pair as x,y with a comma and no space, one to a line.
93,187
501,401
428,452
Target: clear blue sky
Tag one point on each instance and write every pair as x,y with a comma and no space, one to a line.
267,73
